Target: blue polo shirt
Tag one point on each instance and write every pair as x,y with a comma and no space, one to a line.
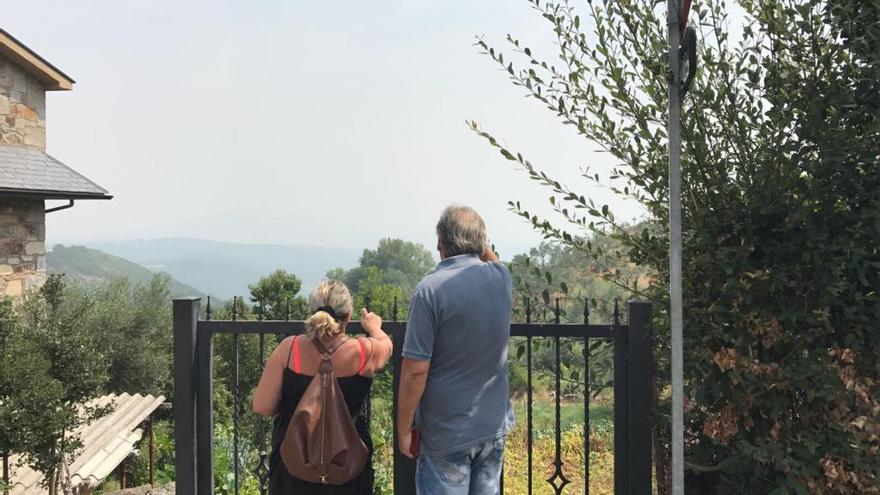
459,320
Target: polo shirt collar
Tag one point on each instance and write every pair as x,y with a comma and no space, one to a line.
460,261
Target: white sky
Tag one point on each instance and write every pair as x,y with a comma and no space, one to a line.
278,121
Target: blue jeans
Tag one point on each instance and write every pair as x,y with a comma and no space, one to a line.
472,471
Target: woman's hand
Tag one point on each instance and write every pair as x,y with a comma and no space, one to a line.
371,322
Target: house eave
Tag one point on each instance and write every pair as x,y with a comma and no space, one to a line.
52,77
41,194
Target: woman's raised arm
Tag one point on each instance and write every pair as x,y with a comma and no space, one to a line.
379,346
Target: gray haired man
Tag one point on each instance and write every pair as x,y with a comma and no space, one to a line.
454,380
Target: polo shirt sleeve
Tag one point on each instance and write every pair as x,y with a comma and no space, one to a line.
421,329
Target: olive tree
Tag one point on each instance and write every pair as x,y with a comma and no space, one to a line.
781,221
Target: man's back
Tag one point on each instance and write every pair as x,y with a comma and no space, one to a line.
459,320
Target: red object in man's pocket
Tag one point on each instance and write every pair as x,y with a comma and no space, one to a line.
414,446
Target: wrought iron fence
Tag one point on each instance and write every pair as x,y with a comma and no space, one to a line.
632,392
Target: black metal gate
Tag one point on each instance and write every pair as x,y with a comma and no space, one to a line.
633,368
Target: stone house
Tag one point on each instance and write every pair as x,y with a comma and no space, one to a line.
28,175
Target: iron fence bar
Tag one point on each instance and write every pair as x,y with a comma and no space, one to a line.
529,393
287,328
586,401
236,402
262,469
561,330
558,479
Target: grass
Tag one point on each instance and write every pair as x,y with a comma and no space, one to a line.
543,447
571,447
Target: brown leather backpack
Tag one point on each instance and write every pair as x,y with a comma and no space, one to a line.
321,444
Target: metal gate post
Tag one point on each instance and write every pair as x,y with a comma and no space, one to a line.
404,468
621,410
641,368
633,420
185,321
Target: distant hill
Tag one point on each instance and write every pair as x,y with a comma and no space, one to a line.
94,266
225,269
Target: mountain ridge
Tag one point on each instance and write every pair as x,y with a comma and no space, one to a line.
93,266
225,269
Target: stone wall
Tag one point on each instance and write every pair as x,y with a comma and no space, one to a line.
22,245
22,107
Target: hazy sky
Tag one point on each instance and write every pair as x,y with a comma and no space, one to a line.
279,121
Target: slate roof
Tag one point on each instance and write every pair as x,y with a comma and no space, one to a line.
106,443
29,171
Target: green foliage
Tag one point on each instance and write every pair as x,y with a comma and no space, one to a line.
402,264
163,444
780,169
65,345
55,364
133,323
279,293
380,296
552,272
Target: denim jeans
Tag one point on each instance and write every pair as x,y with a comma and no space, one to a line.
472,471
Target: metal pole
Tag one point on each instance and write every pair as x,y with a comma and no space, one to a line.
676,319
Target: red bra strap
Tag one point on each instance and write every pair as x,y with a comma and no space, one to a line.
296,368
363,356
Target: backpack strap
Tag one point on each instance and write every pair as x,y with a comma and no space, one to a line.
327,351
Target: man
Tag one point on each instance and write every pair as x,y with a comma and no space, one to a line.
455,364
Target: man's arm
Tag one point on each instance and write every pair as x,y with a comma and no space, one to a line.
413,376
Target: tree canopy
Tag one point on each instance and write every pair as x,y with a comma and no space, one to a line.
278,292
402,264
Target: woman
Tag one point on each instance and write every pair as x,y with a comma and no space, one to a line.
295,361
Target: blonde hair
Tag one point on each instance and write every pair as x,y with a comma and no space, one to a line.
328,294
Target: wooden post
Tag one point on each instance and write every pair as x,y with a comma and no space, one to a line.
152,452
6,472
